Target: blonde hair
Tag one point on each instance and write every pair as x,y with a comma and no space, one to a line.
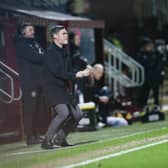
99,66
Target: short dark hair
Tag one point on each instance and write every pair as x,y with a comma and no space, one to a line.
22,26
56,29
144,41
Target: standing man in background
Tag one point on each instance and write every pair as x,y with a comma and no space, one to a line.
78,61
29,59
151,62
58,73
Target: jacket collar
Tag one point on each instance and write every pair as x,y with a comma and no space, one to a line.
57,47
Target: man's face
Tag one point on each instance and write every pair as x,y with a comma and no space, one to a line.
28,32
98,73
77,40
61,38
149,47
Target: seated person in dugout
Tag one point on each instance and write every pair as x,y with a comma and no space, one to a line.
93,90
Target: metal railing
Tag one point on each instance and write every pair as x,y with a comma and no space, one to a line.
7,86
121,68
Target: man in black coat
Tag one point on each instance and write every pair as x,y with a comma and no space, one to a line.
153,67
29,59
58,90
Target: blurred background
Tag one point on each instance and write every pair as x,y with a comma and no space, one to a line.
111,32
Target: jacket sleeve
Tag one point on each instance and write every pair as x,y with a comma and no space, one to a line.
29,54
55,67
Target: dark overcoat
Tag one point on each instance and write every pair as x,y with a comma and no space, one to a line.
153,67
57,74
29,61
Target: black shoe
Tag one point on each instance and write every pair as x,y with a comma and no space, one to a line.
47,144
39,139
65,144
32,140
62,143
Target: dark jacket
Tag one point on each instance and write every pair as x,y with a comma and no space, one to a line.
79,63
152,66
29,61
57,74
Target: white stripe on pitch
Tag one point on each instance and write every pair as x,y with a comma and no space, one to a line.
115,154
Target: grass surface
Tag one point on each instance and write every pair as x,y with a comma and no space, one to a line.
102,142
154,157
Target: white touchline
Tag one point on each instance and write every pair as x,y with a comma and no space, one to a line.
115,154
124,136
134,134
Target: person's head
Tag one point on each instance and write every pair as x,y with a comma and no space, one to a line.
98,71
26,30
77,40
147,45
59,35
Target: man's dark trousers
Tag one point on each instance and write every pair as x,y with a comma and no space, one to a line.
66,118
